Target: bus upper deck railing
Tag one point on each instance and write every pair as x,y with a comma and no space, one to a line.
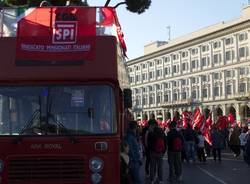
9,18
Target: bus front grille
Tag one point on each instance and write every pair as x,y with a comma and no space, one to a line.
63,170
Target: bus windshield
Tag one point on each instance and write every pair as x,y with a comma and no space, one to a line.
57,110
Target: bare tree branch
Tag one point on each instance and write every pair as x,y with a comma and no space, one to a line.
118,4
107,2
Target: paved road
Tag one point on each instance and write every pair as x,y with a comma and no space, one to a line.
230,171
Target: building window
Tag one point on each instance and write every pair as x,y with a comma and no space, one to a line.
217,58
243,36
144,66
194,64
229,41
205,48
137,91
193,79
166,98
184,95
158,73
137,78
137,101
242,87
243,52
204,93
175,68
242,71
228,73
151,99
184,66
174,83
204,78
175,56
230,55
175,97
151,75
144,76
158,61
137,68
131,79
184,54
151,64
166,59
145,100
166,85
216,76
229,89
216,91
150,88
194,51
194,95
205,61
216,44
158,98
166,70
183,82
158,86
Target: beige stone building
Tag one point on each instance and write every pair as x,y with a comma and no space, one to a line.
209,68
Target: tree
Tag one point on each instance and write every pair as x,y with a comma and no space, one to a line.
135,6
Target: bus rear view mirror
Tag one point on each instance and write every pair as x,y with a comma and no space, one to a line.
127,97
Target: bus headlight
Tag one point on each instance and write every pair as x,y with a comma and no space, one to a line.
95,164
1,165
96,178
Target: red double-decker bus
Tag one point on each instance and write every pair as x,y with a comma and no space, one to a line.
62,91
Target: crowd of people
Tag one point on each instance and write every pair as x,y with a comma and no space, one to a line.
150,143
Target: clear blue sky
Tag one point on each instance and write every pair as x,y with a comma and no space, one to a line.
183,16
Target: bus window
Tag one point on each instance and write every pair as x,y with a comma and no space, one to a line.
57,110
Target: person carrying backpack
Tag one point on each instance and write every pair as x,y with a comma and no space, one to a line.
247,147
175,143
157,146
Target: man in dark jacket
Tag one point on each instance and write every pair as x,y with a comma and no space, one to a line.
157,144
217,143
190,137
134,152
175,143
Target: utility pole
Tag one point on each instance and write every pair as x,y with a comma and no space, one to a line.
169,29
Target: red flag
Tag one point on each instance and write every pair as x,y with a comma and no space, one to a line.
207,136
198,118
206,129
230,118
222,122
184,118
108,16
166,123
209,121
144,123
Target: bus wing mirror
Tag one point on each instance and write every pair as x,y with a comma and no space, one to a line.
127,97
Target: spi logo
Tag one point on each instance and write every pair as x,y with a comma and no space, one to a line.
65,32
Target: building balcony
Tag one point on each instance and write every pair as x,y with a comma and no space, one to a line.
242,96
181,103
